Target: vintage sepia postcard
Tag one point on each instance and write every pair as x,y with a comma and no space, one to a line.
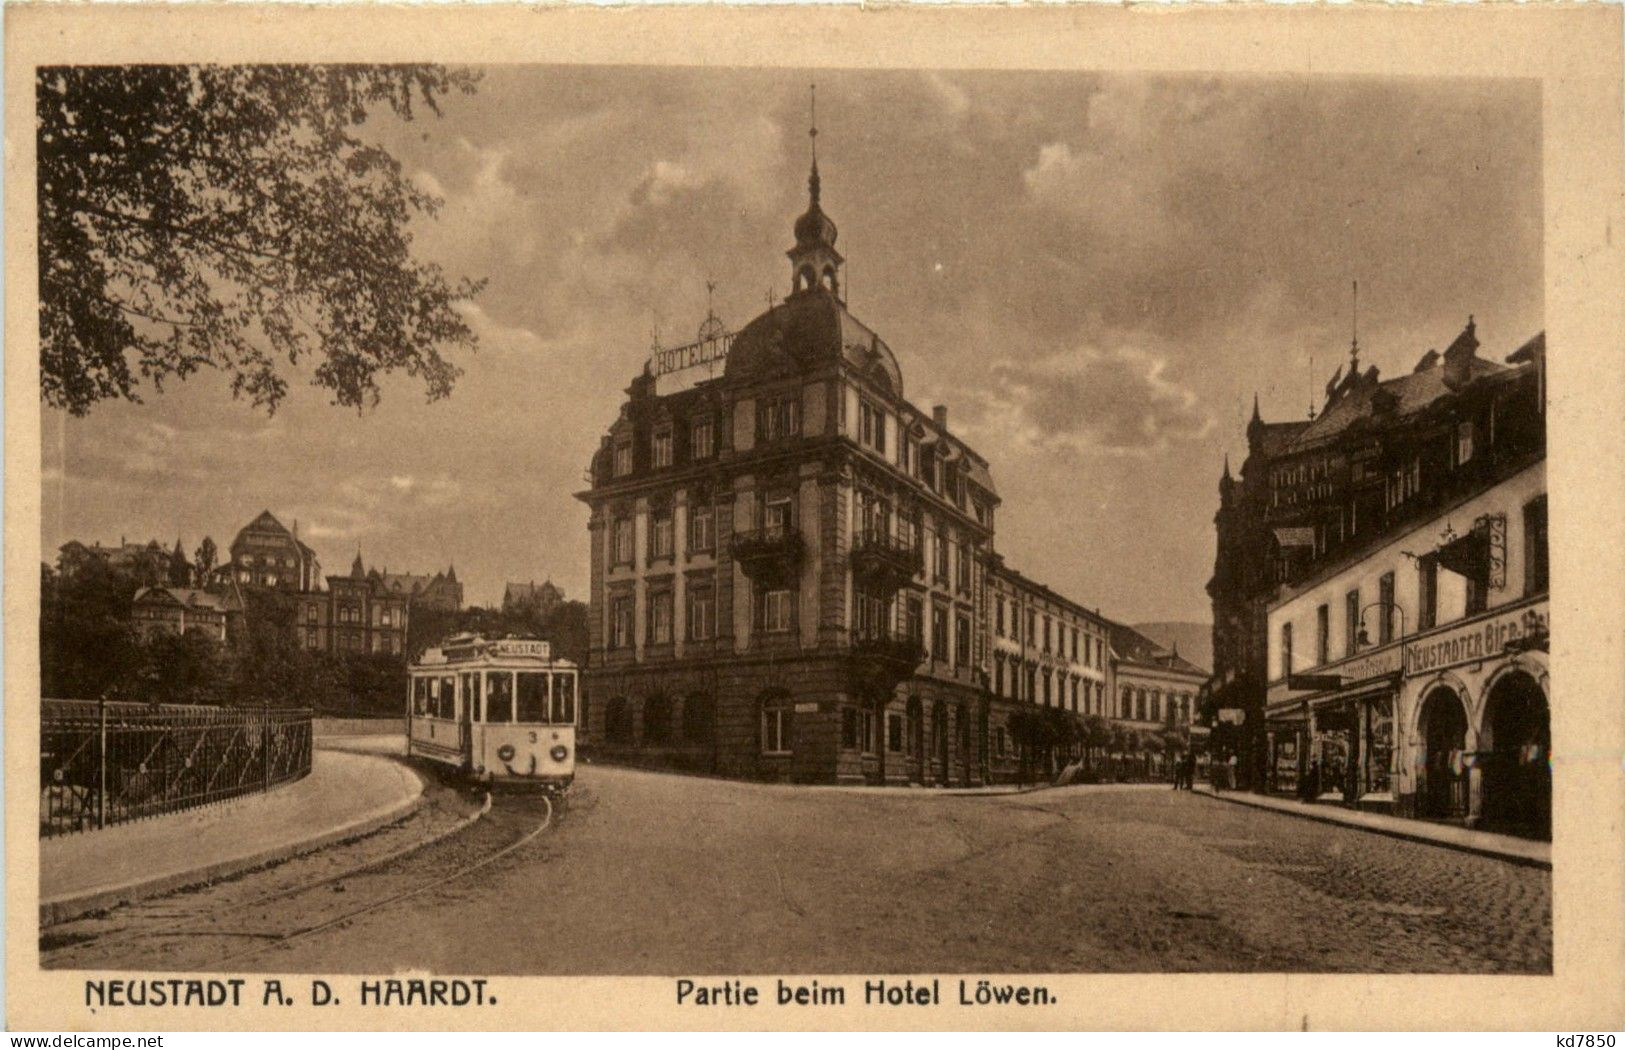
814,519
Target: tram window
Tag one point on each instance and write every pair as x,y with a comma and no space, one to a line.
499,697
420,697
448,697
564,699
532,697
471,695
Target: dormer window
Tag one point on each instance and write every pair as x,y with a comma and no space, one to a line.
623,457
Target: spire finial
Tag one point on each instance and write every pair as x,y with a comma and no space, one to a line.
1354,333
812,135
1311,387
1256,416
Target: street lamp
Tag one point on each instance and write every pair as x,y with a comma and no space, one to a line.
1364,639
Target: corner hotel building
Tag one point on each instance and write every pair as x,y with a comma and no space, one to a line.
792,564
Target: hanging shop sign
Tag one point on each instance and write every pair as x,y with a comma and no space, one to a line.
1480,640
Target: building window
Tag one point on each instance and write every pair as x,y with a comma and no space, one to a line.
620,622
1001,742
310,614
312,640
777,716
702,438
962,568
1074,645
1046,633
1535,551
962,640
940,566
998,674
914,620
660,618
907,452
776,515
778,418
656,719
702,528
623,458
872,426
849,728
1323,634
1427,592
939,633
1048,686
1156,705
1351,626
1286,649
623,552
660,448
702,615
1464,441
660,535
1032,684
776,610
618,721
894,732
1385,608
998,616
699,715
1032,626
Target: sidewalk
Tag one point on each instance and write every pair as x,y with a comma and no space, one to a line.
1505,847
345,795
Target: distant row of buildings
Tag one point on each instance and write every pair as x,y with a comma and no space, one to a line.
366,611
794,576
1380,593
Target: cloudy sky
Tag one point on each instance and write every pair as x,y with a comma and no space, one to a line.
1095,273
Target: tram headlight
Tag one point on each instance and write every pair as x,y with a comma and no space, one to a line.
505,752
560,753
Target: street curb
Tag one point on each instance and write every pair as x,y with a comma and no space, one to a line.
62,909
1393,833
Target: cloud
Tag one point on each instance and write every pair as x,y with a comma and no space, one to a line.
1115,401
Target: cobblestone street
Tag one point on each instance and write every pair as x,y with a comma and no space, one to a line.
651,873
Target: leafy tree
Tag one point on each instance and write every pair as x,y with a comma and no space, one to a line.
229,217
203,559
86,644
188,668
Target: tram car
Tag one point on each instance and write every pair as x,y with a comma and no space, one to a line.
502,711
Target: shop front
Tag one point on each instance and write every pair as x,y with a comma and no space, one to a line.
1477,722
1332,733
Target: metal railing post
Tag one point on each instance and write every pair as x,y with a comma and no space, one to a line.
265,745
101,762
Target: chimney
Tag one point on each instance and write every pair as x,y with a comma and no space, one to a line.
939,414
1458,358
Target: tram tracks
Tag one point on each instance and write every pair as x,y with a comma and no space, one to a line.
200,931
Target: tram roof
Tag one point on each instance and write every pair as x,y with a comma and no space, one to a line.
475,651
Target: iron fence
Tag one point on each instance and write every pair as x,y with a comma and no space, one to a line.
109,762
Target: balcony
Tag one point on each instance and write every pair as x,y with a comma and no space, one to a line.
770,555
883,560
881,659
